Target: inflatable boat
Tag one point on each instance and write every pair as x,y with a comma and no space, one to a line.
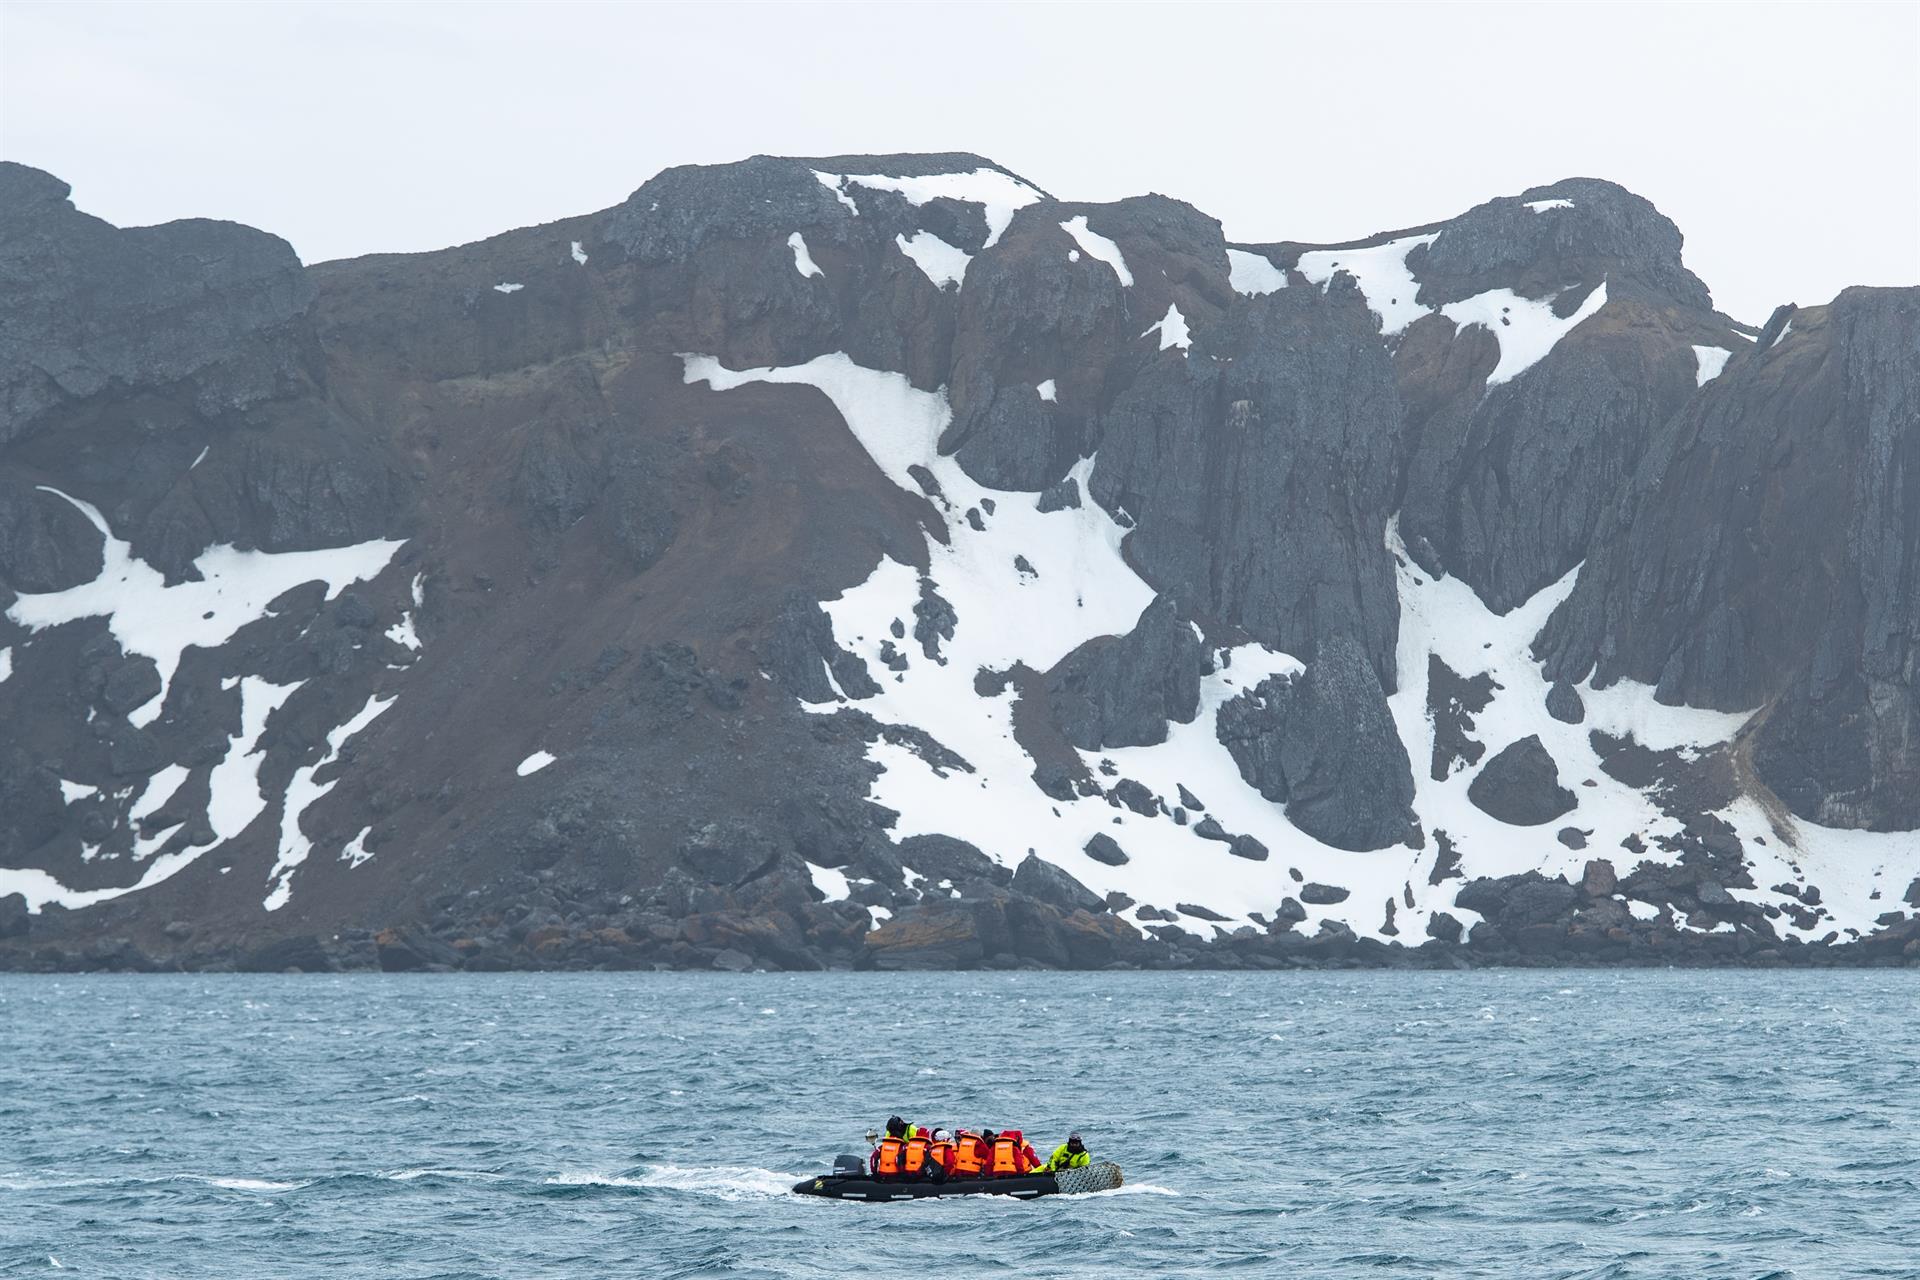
851,1181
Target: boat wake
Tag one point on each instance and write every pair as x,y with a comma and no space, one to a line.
723,1182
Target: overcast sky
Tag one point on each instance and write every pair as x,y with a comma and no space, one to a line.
1784,139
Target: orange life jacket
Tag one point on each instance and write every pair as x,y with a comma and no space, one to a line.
969,1156
942,1153
915,1161
1006,1156
892,1152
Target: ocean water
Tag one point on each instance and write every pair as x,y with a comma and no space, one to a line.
1513,1124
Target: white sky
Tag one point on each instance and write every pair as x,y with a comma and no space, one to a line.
1784,139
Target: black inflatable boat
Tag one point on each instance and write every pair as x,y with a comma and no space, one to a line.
851,1181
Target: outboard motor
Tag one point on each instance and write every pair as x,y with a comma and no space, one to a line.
846,1165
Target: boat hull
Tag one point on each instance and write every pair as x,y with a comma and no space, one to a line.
1102,1175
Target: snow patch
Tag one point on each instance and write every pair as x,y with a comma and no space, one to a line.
200,457
829,881
999,195
1382,274
1172,328
302,792
802,260
72,791
1712,361
1098,247
835,183
939,261
534,763
1253,274
356,852
6,664
506,287
1048,391
579,254
1526,328
161,622
402,633
1542,206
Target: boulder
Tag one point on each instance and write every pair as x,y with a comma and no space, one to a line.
1121,691
1521,786
1104,848
1323,895
1044,882
1564,703
1600,880
1326,744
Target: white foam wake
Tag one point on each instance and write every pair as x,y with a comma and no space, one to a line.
724,1182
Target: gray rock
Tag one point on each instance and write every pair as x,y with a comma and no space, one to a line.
1120,691
1327,745
1044,882
1521,786
1443,928
1564,703
1259,473
1244,846
1104,848
1322,895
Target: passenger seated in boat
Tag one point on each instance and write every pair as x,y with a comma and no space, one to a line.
1012,1156
971,1154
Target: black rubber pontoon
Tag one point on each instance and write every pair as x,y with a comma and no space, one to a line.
1101,1175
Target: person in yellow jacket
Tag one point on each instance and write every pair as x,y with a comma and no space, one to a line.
1071,1154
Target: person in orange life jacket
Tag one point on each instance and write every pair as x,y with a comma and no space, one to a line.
971,1155
1012,1156
919,1160
944,1152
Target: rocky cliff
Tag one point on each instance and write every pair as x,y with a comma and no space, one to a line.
876,561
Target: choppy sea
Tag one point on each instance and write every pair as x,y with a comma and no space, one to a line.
1512,1124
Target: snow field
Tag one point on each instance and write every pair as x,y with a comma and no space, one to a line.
999,195
302,792
939,261
1526,327
1712,360
1253,274
161,622
1382,274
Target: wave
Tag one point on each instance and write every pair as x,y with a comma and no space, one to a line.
1132,1189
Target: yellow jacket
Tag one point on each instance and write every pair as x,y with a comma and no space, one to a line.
1065,1159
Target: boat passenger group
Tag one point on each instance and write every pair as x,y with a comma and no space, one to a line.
908,1153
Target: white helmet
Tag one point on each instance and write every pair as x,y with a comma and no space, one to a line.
941,1135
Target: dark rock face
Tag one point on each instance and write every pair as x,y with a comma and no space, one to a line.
211,307
1521,785
1261,471
1120,691
599,560
1767,597
1326,744
1609,234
